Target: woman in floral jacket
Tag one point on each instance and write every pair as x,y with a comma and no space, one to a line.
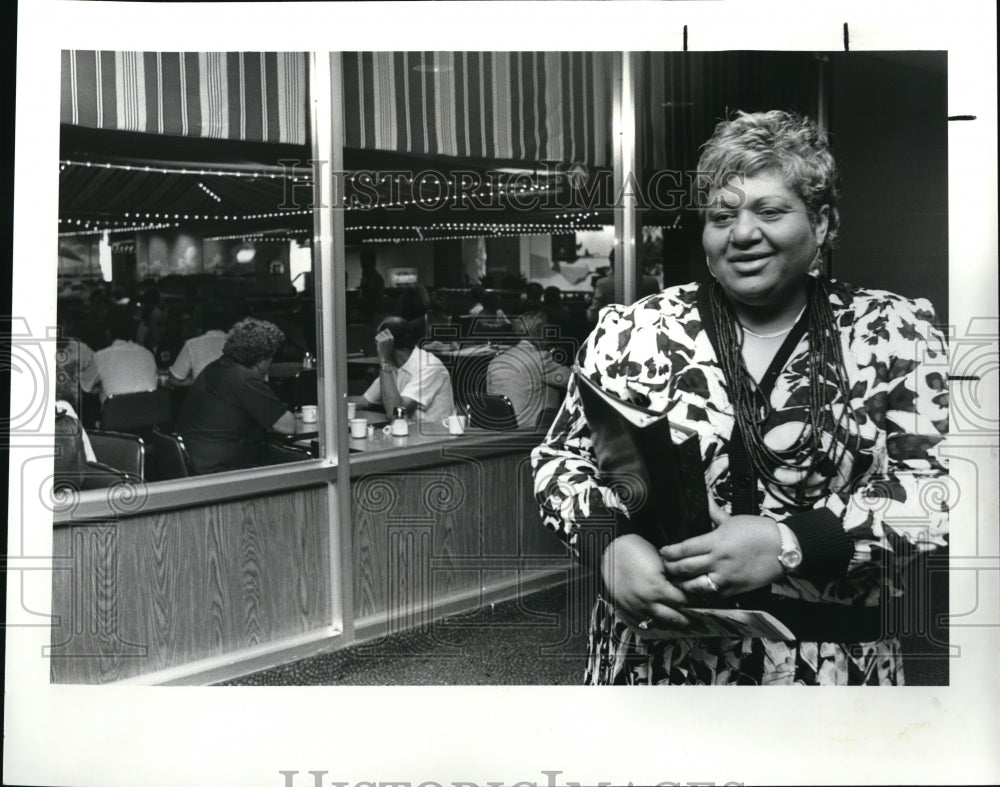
817,407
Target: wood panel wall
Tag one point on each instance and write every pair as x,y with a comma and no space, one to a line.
422,538
154,591
150,592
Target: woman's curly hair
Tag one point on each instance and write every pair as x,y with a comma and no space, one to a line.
251,341
794,145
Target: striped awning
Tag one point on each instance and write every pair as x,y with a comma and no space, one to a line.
251,96
525,106
529,106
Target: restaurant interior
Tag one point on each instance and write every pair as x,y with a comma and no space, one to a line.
254,184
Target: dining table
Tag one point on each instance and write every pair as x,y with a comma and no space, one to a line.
307,435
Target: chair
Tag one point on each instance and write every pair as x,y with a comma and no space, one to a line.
137,412
95,475
126,452
170,458
491,411
278,454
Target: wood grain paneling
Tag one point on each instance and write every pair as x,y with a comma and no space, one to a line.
150,592
168,588
423,537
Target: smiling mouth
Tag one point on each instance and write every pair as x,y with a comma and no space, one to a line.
748,264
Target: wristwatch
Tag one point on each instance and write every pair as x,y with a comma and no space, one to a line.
388,367
790,555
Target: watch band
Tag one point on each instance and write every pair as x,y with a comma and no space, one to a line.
388,367
788,539
790,554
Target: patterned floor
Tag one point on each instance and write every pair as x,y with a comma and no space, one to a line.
530,642
522,643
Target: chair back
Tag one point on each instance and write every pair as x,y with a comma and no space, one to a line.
100,476
126,452
95,475
491,411
278,454
169,457
137,412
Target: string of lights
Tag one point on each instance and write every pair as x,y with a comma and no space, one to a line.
208,191
289,173
517,189
189,217
115,224
495,234
288,235
137,228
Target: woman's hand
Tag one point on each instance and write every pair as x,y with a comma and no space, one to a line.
634,576
739,555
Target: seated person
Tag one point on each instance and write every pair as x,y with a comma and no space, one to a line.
408,377
152,326
532,296
491,318
64,406
124,367
230,408
527,375
200,351
76,369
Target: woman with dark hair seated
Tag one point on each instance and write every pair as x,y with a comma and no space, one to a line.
230,408
816,407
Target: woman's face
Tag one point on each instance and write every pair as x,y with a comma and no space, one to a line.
760,244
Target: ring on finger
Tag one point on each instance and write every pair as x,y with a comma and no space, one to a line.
709,584
644,623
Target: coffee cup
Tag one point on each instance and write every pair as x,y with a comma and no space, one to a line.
359,428
352,410
309,414
455,424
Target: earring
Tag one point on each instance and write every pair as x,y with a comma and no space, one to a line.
817,262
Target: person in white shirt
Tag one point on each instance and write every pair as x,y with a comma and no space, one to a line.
409,377
199,351
124,367
528,376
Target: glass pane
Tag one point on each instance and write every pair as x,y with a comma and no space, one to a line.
186,299
468,238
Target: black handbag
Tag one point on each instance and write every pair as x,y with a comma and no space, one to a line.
659,480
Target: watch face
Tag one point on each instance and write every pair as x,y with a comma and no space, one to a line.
790,558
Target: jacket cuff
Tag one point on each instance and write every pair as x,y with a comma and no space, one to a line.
826,548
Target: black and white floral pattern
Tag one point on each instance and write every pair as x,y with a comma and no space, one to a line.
657,353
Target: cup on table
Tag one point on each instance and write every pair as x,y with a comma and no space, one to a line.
352,410
359,428
455,424
309,413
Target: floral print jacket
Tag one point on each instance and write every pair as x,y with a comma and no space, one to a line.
885,501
